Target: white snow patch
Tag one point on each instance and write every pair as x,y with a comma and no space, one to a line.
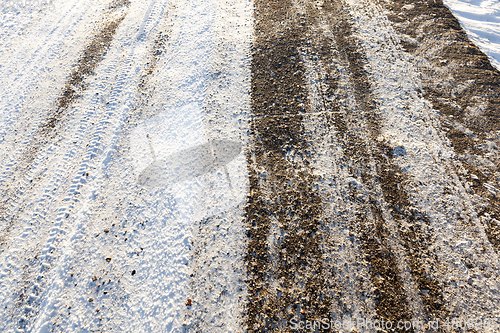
481,21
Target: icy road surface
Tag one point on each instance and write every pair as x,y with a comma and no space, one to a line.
233,166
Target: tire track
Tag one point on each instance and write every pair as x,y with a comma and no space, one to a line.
390,297
284,260
45,52
372,227
22,116
161,41
379,177
343,255
383,255
29,308
425,166
461,83
106,139
75,86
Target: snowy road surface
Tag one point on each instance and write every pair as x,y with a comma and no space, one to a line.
233,166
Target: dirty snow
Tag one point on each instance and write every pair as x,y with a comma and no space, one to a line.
80,202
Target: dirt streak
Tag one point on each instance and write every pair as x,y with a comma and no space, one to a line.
78,80
461,83
415,233
286,276
91,57
347,282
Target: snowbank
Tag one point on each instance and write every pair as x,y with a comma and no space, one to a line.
481,20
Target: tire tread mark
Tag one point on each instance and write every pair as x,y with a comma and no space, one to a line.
391,303
91,57
457,62
281,190
392,183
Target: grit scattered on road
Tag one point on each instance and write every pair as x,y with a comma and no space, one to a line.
231,166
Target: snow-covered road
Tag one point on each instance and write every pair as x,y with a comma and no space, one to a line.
231,166
160,78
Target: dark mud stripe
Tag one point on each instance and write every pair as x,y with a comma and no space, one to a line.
91,57
117,4
75,86
459,63
415,233
278,88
